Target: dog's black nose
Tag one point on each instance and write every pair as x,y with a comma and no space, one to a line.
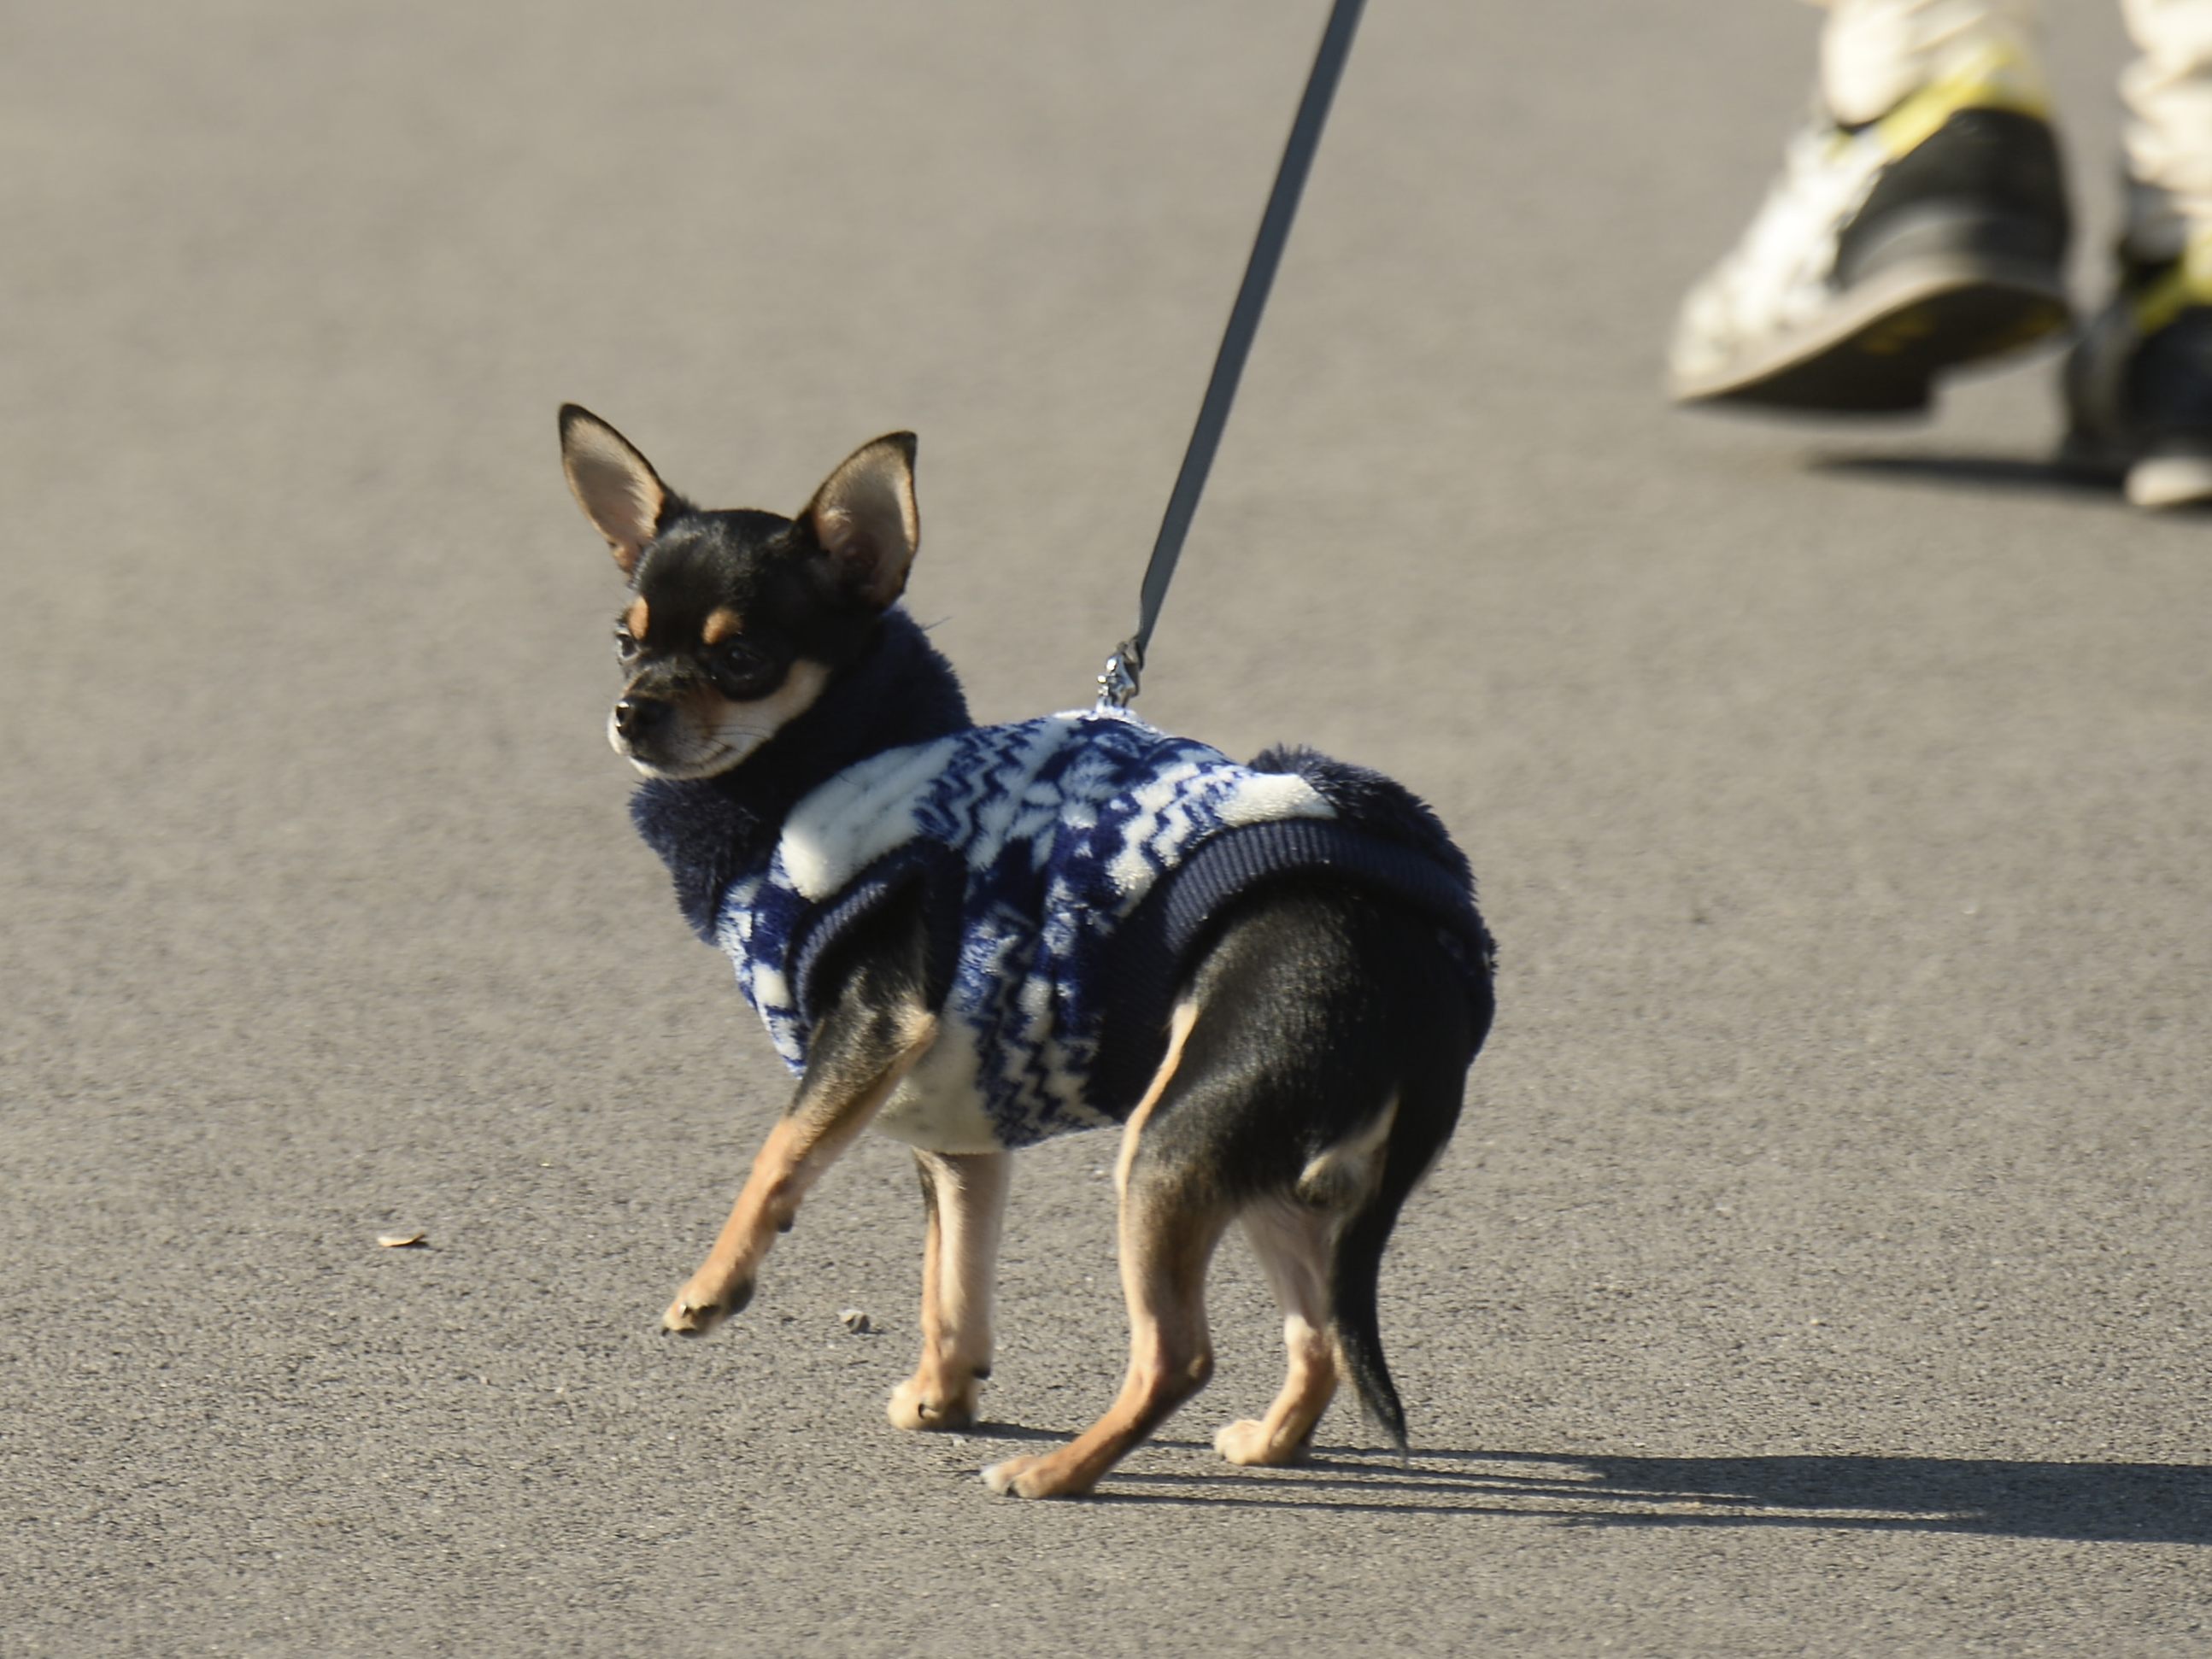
640,717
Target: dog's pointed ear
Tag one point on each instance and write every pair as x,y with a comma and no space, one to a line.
615,485
865,520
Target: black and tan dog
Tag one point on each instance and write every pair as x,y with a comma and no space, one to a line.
1270,976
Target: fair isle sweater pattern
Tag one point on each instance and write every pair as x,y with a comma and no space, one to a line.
1053,832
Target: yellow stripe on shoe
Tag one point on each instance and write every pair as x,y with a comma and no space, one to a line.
1994,78
2188,284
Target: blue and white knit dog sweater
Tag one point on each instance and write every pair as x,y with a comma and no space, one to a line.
1066,866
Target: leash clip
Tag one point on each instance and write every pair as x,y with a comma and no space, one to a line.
1118,685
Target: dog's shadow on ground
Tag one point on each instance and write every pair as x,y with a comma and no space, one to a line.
2135,1502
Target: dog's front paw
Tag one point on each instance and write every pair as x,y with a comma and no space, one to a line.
698,1308
921,1402
1005,1479
1249,1444
1032,1477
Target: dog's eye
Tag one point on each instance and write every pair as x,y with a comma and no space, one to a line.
738,664
625,644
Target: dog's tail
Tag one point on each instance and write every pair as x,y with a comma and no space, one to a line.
1419,1122
1433,976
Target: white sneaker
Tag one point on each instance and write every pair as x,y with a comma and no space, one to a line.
1934,237
2139,384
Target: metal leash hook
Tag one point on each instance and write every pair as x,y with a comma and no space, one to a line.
1118,685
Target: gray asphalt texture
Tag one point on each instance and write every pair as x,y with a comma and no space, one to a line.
1822,1266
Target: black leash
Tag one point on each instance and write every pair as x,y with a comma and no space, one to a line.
1118,685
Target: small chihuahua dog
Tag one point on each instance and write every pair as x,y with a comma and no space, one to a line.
1270,978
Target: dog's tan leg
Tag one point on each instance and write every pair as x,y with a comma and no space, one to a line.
966,1195
1165,1246
844,1088
1292,1244
1169,1227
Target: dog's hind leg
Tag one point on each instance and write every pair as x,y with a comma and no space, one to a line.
1293,1242
1168,1238
966,1198
1172,1215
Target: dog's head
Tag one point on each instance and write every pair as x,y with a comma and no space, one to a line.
736,620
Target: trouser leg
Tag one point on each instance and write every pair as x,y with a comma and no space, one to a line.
1875,53
2167,91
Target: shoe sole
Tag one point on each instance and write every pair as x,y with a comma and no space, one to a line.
2171,481
1876,351
2178,477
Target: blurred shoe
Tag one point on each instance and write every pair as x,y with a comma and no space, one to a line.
2139,383
1887,253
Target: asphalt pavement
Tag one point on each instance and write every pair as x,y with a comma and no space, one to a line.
1822,1266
